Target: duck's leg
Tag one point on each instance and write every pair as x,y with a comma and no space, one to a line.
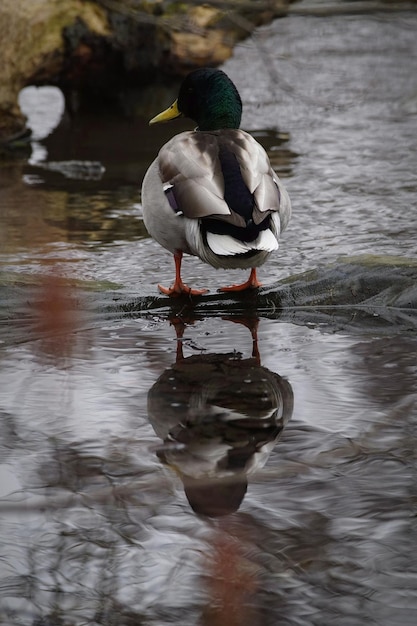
251,283
179,326
252,324
179,287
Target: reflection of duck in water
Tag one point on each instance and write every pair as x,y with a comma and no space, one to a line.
219,416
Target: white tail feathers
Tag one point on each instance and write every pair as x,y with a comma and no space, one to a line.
225,245
266,241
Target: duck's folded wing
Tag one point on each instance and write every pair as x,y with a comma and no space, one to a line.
190,163
268,191
256,170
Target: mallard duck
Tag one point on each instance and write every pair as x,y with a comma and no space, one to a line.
212,192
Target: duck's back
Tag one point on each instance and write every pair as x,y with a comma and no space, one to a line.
202,168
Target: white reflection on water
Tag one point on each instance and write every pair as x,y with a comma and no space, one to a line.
43,107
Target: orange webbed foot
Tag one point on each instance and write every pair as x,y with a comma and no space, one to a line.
179,288
251,283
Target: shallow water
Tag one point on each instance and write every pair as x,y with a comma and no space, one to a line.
116,455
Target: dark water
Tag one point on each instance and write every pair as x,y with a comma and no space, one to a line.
120,446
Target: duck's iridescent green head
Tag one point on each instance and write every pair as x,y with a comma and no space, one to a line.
209,98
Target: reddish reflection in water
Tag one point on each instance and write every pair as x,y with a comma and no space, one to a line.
57,313
231,579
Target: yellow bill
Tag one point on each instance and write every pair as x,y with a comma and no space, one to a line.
169,114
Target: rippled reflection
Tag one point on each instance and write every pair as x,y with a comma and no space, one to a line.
219,416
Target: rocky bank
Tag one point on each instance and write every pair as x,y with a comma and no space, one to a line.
96,51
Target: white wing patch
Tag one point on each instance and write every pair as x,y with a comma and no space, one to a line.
225,245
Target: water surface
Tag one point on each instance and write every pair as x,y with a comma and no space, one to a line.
120,443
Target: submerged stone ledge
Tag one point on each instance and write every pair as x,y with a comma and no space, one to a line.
361,294
368,292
